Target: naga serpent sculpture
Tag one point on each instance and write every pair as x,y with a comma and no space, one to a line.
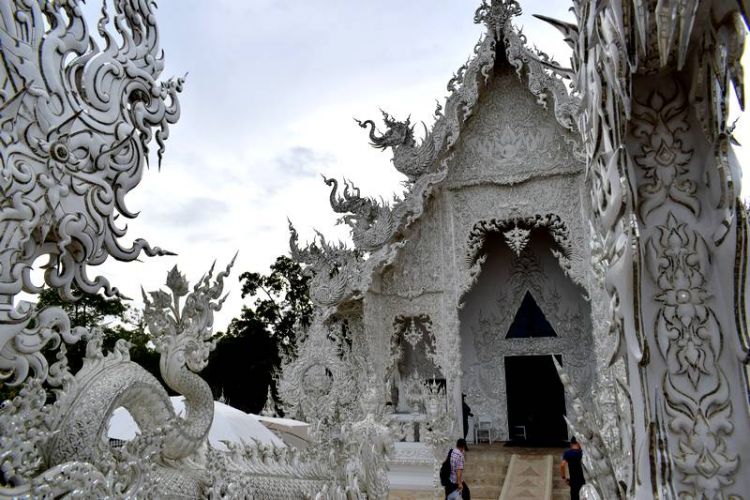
408,158
76,124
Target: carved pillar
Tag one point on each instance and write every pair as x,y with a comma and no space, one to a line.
694,395
665,189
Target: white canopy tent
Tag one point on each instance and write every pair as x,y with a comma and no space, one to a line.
230,424
294,432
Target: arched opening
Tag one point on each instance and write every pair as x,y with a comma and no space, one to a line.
521,311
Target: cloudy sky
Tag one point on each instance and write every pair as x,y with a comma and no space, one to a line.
271,91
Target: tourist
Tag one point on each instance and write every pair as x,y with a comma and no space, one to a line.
572,459
466,413
457,487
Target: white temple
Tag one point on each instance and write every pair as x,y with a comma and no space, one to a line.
570,253
480,273
599,227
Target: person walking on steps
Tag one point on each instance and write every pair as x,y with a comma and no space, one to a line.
457,489
572,460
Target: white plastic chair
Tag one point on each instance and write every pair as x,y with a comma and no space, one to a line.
519,431
483,428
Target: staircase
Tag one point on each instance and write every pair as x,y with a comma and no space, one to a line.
485,469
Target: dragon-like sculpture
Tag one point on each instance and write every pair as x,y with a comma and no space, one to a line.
77,122
408,158
331,267
372,222
76,126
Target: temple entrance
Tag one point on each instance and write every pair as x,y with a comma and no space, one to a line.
521,310
536,401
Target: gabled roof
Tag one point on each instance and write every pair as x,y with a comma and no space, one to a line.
378,227
465,88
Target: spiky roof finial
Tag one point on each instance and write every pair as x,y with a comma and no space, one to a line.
495,13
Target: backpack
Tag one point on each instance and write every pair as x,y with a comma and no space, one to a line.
445,470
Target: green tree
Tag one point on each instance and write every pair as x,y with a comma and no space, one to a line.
115,317
89,310
250,352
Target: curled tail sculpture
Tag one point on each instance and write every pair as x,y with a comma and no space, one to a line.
180,324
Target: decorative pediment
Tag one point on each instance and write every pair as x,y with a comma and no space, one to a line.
376,224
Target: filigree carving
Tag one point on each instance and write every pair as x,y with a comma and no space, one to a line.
27,338
331,267
645,166
77,119
318,386
689,338
542,82
76,128
372,222
413,358
495,148
272,472
517,239
660,124
23,432
410,159
370,445
414,328
660,344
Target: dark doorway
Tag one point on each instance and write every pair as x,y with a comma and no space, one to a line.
536,401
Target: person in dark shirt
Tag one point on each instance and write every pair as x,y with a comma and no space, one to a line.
572,460
466,410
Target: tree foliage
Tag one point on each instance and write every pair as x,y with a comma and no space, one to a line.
250,352
116,319
282,301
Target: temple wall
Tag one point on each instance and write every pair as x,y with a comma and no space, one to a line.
512,162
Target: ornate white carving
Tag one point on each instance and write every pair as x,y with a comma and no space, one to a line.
688,336
484,363
76,125
654,243
319,386
409,255
660,125
517,239
72,431
663,192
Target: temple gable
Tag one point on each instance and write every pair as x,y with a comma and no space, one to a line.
511,137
